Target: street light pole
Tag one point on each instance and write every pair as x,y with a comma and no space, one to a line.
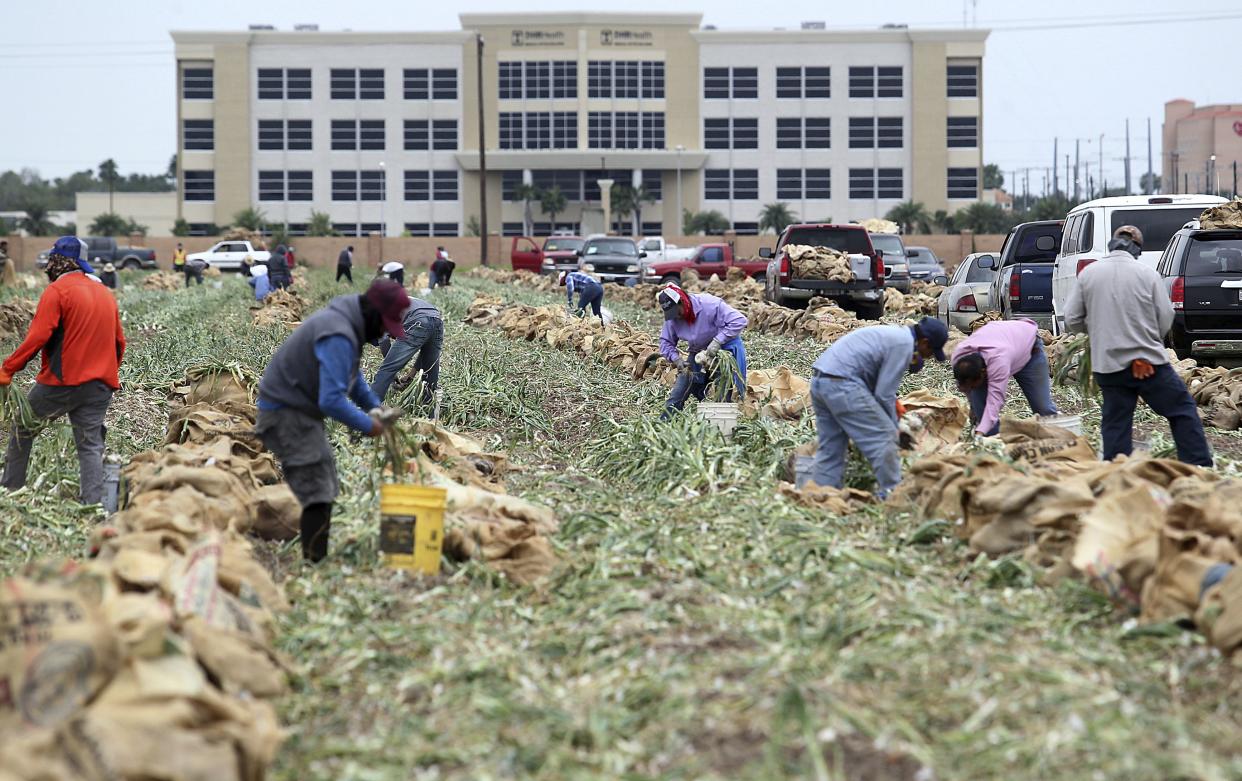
680,221
478,39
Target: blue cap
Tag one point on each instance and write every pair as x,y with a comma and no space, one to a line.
936,333
71,247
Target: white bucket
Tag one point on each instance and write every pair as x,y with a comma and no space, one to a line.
1069,422
722,415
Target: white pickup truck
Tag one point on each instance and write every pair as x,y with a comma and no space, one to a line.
228,255
660,252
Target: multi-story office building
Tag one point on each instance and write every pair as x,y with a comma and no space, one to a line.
381,130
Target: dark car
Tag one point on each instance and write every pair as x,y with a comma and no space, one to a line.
99,250
1023,285
612,259
1203,272
896,260
924,265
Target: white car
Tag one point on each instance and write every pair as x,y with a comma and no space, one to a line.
228,255
1089,227
968,293
658,251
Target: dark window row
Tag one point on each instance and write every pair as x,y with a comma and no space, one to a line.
625,130
877,82
730,133
872,183
876,132
625,79
739,184
963,132
198,83
793,82
730,83
532,80
793,183
797,183
346,134
285,134
432,229
538,130
808,82
963,80
285,185
284,84
431,186
963,182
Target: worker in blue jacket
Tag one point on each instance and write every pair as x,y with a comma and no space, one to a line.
590,292
315,375
854,387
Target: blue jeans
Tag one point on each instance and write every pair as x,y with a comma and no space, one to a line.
592,296
425,339
695,382
1167,396
1034,379
846,409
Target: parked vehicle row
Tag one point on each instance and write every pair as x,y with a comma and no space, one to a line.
1202,270
706,259
865,295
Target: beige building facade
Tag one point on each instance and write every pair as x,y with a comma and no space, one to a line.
380,131
1202,147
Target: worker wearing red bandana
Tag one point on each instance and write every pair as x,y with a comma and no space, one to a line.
707,325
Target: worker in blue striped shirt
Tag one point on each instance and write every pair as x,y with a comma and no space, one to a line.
590,292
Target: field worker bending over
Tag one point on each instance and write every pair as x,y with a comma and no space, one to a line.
590,292
259,281
395,270
315,375
1124,307
78,328
708,325
423,338
854,392
984,361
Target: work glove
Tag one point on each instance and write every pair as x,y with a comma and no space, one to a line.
6,377
901,409
579,313
682,364
385,415
706,355
1141,369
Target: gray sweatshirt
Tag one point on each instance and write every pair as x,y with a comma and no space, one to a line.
1123,306
878,356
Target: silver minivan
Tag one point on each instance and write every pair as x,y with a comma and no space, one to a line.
1090,225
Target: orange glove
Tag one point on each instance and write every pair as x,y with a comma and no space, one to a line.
1141,369
901,409
6,378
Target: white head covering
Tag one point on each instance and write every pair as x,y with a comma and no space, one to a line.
392,266
258,270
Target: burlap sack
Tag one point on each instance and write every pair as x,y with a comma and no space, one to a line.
57,649
1220,614
277,514
1118,542
777,393
834,501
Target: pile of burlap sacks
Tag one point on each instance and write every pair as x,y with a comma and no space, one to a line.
281,307
909,304
1143,531
809,262
772,393
1227,215
482,521
163,280
15,317
154,659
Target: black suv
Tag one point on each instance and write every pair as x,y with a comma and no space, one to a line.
1202,270
612,259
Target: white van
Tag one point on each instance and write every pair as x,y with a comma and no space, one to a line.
1089,227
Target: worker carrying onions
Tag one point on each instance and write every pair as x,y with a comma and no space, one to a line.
708,325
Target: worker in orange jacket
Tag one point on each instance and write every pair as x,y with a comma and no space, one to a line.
78,329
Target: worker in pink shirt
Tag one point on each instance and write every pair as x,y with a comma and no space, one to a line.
984,362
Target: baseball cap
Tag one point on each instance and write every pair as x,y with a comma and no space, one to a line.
1129,232
935,333
391,300
669,301
71,247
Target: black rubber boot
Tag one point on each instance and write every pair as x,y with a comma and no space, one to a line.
316,526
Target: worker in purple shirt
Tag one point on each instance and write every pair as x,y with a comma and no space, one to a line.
984,362
315,375
708,325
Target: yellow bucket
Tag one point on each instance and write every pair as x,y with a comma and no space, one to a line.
412,527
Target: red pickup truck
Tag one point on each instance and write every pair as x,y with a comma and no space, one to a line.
559,253
708,259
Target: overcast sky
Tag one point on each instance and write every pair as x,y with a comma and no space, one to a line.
83,81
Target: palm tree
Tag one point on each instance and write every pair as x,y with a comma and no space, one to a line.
943,221
109,224
36,221
776,217
640,196
109,175
320,224
251,219
709,223
181,227
983,218
911,216
622,203
526,193
552,202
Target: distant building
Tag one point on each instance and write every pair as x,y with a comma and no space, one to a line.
1202,147
156,211
997,197
380,130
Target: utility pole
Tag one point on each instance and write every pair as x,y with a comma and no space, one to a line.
1235,178
1077,144
1151,179
478,40
1101,179
1128,190
1055,166
1067,175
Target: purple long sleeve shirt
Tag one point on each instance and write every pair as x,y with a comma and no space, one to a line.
714,319
1006,347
